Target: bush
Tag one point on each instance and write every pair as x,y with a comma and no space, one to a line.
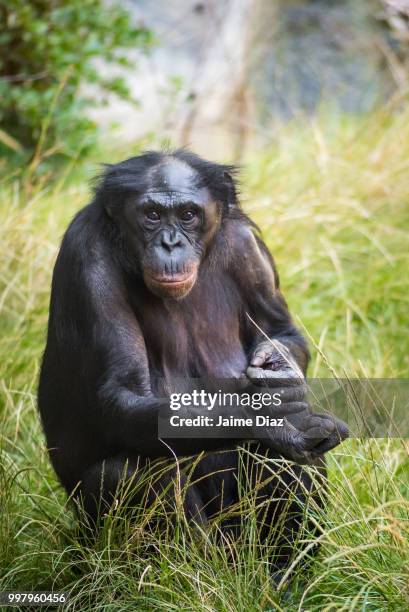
47,53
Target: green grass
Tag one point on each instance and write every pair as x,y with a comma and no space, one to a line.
332,199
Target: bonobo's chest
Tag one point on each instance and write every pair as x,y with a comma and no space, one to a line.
199,336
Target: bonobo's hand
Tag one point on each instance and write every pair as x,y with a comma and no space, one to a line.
271,362
304,436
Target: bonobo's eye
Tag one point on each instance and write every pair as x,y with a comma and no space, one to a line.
188,215
152,215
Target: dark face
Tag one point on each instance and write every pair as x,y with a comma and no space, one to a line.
170,225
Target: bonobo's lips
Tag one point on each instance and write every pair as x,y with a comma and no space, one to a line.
171,285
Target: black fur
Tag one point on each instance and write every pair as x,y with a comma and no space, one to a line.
109,336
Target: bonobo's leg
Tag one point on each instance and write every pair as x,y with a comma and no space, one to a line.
291,492
137,482
283,493
215,477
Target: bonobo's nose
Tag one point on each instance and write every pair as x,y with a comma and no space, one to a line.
170,239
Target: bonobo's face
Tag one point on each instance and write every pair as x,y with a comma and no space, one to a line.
170,225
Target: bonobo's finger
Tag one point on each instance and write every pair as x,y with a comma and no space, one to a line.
314,429
339,434
272,353
274,378
317,421
289,442
289,409
261,354
296,393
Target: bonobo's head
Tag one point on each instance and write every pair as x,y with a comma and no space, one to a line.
168,208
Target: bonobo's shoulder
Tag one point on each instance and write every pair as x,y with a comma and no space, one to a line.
244,241
85,258
250,262
86,221
84,254
85,232
239,231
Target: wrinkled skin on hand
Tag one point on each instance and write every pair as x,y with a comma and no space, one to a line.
304,435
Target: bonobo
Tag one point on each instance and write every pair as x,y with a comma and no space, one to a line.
163,277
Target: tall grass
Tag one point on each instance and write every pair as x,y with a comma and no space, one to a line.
332,199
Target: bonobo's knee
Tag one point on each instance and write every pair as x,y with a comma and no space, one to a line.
105,482
159,486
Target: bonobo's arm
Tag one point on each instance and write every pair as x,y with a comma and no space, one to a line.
126,410
278,354
267,322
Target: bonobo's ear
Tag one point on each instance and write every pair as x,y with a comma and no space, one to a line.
231,190
108,205
116,183
104,188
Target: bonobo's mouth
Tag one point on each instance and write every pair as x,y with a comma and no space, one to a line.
175,286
